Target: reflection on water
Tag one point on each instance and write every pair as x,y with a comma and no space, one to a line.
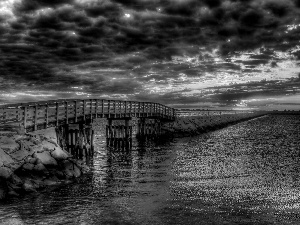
244,174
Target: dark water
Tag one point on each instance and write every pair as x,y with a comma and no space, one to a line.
244,174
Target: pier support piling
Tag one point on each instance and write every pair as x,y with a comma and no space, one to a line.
119,136
77,139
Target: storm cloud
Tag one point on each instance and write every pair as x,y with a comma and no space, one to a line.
173,49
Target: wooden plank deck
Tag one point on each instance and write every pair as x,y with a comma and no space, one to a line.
40,115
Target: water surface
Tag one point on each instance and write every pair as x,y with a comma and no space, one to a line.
243,174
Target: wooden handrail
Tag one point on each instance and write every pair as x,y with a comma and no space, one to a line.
64,111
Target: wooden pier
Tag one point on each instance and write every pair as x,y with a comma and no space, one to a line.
73,117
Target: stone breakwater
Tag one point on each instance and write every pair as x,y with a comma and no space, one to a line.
194,125
33,161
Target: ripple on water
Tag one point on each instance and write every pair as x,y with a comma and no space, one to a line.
243,174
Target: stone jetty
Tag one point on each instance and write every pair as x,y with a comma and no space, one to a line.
33,161
194,125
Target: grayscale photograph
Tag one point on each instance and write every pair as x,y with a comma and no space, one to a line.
149,112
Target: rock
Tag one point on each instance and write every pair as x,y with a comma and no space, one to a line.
49,145
40,168
19,137
59,174
5,159
3,189
28,166
85,169
45,158
5,172
76,171
13,186
49,182
37,148
31,160
38,161
12,193
14,179
15,165
48,133
2,193
28,186
20,155
8,144
60,154
38,183
68,168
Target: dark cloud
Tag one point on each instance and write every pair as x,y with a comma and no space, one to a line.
32,5
50,44
103,8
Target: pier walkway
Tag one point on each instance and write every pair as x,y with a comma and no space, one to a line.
73,119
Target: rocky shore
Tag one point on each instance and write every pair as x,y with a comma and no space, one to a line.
32,161
194,125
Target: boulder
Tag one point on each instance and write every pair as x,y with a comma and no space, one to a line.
26,144
12,193
28,186
68,168
13,186
28,166
49,145
31,160
5,159
45,158
38,183
3,193
49,182
14,179
59,174
5,172
20,155
40,168
15,165
8,144
48,133
3,189
37,148
76,171
60,154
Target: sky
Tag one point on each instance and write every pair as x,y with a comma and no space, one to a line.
218,54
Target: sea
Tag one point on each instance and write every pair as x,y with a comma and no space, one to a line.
244,174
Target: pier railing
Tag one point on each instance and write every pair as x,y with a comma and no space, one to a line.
40,115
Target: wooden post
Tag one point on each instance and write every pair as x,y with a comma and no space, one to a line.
120,109
133,107
83,110
109,136
92,143
125,108
115,108
127,134
143,108
57,111
67,112
130,108
102,108
47,115
25,117
139,109
35,118
108,108
96,108
75,111
91,110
